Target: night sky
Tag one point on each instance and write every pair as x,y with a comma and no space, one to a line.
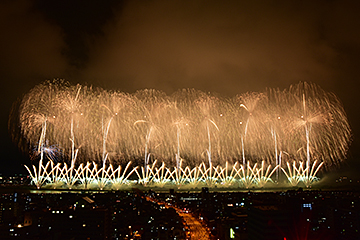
227,47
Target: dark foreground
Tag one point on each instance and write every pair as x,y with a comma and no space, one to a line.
137,214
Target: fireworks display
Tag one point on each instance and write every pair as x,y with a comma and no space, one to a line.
76,124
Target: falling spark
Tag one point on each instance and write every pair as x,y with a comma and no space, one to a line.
115,128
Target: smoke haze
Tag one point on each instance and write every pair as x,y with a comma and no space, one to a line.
227,47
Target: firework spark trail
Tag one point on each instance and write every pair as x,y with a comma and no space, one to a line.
85,124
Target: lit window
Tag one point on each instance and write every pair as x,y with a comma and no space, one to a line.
307,205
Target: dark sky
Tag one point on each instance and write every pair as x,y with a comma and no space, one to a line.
228,47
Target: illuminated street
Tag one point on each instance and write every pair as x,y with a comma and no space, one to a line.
197,230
